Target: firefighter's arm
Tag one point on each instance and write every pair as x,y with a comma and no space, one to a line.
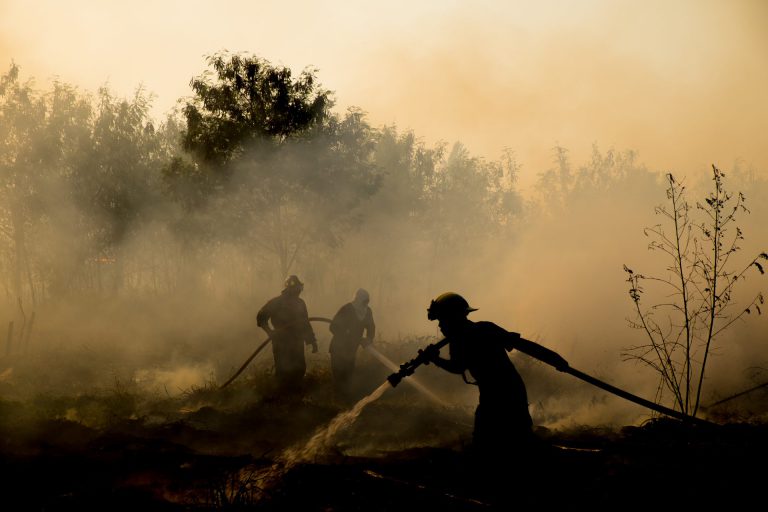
309,333
537,351
370,331
448,365
311,339
336,323
262,319
431,354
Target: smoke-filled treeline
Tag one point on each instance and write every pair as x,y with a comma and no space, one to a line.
99,199
116,225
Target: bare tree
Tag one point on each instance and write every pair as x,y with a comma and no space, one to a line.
698,289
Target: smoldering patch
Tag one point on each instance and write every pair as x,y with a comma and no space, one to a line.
174,381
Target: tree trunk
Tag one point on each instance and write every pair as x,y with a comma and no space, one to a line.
18,250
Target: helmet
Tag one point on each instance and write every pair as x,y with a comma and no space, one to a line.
448,304
293,281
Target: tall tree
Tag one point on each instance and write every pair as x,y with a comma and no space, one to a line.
113,182
22,115
268,159
247,103
65,139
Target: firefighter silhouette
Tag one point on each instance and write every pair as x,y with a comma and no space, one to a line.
290,331
352,326
502,419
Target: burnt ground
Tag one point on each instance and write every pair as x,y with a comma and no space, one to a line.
213,461
219,449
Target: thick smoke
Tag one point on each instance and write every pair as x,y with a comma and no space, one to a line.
167,300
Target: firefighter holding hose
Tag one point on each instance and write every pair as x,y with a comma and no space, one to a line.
290,332
353,319
502,420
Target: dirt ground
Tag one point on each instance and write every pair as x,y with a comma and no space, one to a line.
224,449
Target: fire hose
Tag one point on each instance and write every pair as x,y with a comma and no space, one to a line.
378,355
425,355
742,393
261,347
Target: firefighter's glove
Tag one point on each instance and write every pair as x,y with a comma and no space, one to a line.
558,362
430,354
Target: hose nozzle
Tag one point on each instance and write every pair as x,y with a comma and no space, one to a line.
409,367
404,371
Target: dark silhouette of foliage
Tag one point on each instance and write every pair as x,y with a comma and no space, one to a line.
246,100
265,154
81,175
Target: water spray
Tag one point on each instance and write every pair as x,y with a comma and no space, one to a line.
317,444
412,381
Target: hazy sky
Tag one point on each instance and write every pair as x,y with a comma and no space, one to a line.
683,82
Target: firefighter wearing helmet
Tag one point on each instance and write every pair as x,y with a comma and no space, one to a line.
503,423
285,319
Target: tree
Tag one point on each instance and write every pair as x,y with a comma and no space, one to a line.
41,137
269,165
471,199
608,173
58,229
248,104
119,179
21,118
700,287
79,177
393,237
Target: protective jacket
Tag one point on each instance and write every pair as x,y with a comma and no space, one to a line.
348,328
502,416
291,331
